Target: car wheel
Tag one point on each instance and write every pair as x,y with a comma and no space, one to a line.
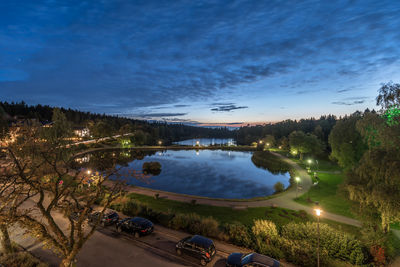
178,251
137,235
203,262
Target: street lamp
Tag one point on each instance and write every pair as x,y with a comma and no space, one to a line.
160,143
89,172
297,183
260,142
318,213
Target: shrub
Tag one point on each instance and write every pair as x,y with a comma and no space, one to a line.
131,208
279,187
153,168
301,253
264,230
195,224
21,259
238,234
338,244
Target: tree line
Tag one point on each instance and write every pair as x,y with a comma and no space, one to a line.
102,125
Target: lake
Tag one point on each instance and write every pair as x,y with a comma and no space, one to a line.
208,173
207,142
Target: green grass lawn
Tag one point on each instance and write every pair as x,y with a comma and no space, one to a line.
228,215
395,226
224,214
326,193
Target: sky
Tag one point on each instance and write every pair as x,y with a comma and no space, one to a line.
200,62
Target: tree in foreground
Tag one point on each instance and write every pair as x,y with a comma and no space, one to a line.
44,184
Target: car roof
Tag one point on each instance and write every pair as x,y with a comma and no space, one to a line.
139,220
201,241
255,257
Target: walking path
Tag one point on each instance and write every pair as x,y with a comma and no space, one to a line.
285,200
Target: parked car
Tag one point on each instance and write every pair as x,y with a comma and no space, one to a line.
197,246
75,214
252,259
137,226
109,218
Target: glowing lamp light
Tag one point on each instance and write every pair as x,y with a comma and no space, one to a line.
89,172
297,179
260,142
309,161
160,143
318,212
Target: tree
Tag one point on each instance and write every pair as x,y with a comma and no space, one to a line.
389,95
376,183
48,183
304,143
346,142
268,141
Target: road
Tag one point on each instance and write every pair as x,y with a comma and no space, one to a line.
107,247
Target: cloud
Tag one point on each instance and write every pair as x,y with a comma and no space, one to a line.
227,108
158,115
348,103
84,54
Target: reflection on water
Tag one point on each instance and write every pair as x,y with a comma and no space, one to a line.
207,142
209,173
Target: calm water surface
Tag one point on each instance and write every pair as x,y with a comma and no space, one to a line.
209,173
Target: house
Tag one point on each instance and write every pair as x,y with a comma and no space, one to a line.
82,131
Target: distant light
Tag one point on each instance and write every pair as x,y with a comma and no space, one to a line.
89,172
280,147
297,179
318,212
260,142
160,142
309,161
267,144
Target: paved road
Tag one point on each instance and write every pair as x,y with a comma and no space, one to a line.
109,248
285,200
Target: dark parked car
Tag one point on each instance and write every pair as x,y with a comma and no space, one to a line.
197,246
250,260
137,226
75,214
109,218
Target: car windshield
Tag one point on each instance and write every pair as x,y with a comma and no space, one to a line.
246,259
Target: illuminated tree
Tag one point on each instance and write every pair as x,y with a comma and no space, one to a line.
41,181
304,143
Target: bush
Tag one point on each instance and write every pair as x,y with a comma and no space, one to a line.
132,208
301,252
21,259
238,234
338,244
265,230
153,168
195,224
279,187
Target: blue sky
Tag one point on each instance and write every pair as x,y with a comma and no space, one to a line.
200,61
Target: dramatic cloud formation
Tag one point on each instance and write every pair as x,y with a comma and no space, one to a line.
134,57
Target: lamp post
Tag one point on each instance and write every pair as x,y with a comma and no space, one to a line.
318,212
297,184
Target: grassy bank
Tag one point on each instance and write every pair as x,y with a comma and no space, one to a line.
277,215
224,214
326,192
